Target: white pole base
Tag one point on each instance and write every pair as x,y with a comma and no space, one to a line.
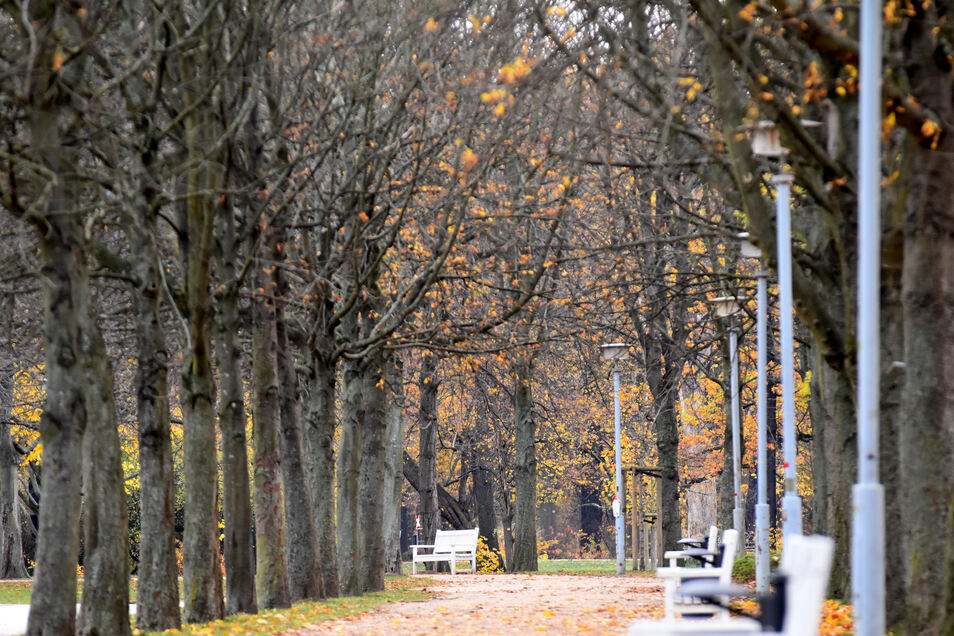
738,522
867,559
762,548
792,512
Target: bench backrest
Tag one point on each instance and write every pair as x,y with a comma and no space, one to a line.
806,562
730,543
445,540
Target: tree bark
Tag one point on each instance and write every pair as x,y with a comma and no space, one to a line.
926,423
239,555
320,464
105,604
11,545
372,483
201,568
271,575
350,546
301,548
393,465
63,423
525,469
236,492
157,601
484,489
429,382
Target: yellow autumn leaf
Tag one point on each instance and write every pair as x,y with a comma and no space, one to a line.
929,128
468,159
431,25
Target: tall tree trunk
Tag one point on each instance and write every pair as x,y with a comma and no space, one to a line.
11,545
65,279
66,287
484,489
320,463
525,469
372,484
394,465
201,568
236,493
105,603
926,423
271,575
429,382
301,548
350,546
157,601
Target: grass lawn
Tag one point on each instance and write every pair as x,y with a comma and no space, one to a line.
398,588
582,566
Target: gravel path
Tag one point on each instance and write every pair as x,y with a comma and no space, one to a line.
511,604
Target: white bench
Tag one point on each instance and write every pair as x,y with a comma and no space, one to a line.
674,556
450,546
720,573
806,565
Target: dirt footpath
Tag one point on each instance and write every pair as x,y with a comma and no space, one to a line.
512,604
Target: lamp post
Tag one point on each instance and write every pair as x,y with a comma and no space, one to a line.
765,142
749,250
725,307
618,351
867,538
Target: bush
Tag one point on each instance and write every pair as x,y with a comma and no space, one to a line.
488,560
743,569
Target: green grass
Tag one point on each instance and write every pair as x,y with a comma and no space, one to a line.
582,566
18,592
15,592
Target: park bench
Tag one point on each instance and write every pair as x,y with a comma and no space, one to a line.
719,570
794,609
691,549
450,546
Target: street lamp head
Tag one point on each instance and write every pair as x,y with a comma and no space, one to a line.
725,306
747,248
615,351
766,141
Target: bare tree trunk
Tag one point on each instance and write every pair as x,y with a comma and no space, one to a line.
271,575
484,489
236,492
301,548
11,544
320,463
394,465
53,600
926,429
201,568
105,604
429,382
157,601
525,470
372,484
65,278
350,546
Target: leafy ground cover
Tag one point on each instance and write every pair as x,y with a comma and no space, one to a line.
397,589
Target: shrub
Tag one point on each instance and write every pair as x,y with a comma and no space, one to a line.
488,560
744,568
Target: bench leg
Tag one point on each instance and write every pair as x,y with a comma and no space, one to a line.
453,565
413,568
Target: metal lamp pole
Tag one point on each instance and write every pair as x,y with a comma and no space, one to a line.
618,351
738,515
725,307
761,506
868,542
791,502
618,511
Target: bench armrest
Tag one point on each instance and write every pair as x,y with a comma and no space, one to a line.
421,545
687,573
